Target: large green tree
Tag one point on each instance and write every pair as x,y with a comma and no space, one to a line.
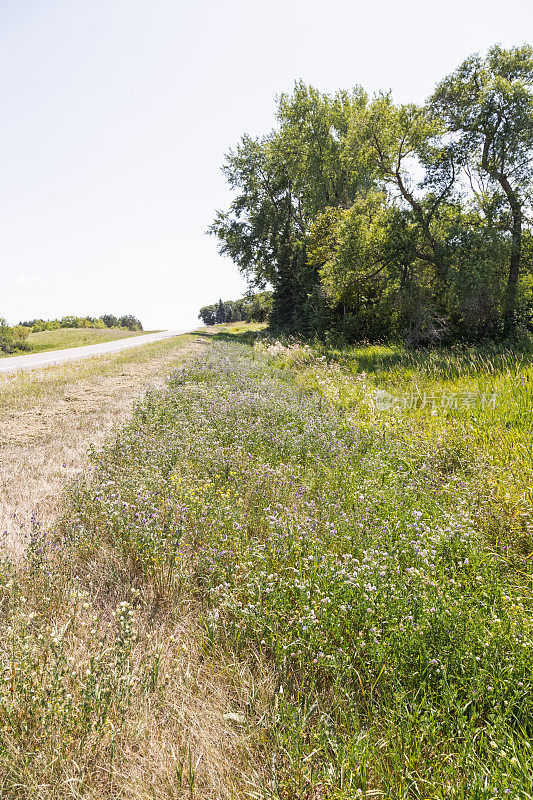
392,220
281,182
396,143
488,105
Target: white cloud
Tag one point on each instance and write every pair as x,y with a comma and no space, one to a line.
32,280
28,281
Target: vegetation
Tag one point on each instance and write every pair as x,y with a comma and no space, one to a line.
74,337
376,565
37,334
252,308
128,322
13,340
387,221
32,390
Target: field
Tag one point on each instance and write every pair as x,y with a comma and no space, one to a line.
274,583
50,416
75,337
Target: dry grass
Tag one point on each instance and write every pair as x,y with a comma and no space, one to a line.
49,417
181,735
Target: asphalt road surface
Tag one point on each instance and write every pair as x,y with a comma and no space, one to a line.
48,357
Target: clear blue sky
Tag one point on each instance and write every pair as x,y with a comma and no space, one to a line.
116,115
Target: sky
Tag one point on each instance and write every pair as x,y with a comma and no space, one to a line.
117,115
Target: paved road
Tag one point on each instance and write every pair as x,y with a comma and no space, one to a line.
36,360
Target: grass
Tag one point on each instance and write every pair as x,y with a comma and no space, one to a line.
75,337
358,586
22,390
49,417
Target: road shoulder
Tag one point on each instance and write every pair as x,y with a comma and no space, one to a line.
49,418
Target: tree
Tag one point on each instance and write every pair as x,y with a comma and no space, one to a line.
488,103
208,315
110,321
392,220
69,322
220,315
252,308
283,180
13,339
130,322
390,141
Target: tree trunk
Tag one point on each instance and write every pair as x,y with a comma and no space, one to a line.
509,317
509,313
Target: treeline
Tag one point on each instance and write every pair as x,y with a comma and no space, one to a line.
128,322
253,308
385,221
13,339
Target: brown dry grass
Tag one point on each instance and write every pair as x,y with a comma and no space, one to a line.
49,417
181,738
177,740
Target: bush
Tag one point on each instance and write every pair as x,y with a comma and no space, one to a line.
12,340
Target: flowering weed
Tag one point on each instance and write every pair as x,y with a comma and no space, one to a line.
374,565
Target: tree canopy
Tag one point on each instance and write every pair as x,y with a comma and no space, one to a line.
383,220
127,321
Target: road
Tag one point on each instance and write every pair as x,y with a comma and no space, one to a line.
49,357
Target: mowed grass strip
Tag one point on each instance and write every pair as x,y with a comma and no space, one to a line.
358,583
23,389
50,417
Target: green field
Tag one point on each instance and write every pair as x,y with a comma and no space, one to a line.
360,578
76,337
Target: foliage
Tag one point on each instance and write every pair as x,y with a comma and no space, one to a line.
12,340
283,180
393,221
128,322
489,104
251,308
110,321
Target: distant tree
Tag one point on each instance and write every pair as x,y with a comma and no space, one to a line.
20,332
220,315
130,322
107,321
12,339
231,310
208,315
252,308
110,321
257,307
